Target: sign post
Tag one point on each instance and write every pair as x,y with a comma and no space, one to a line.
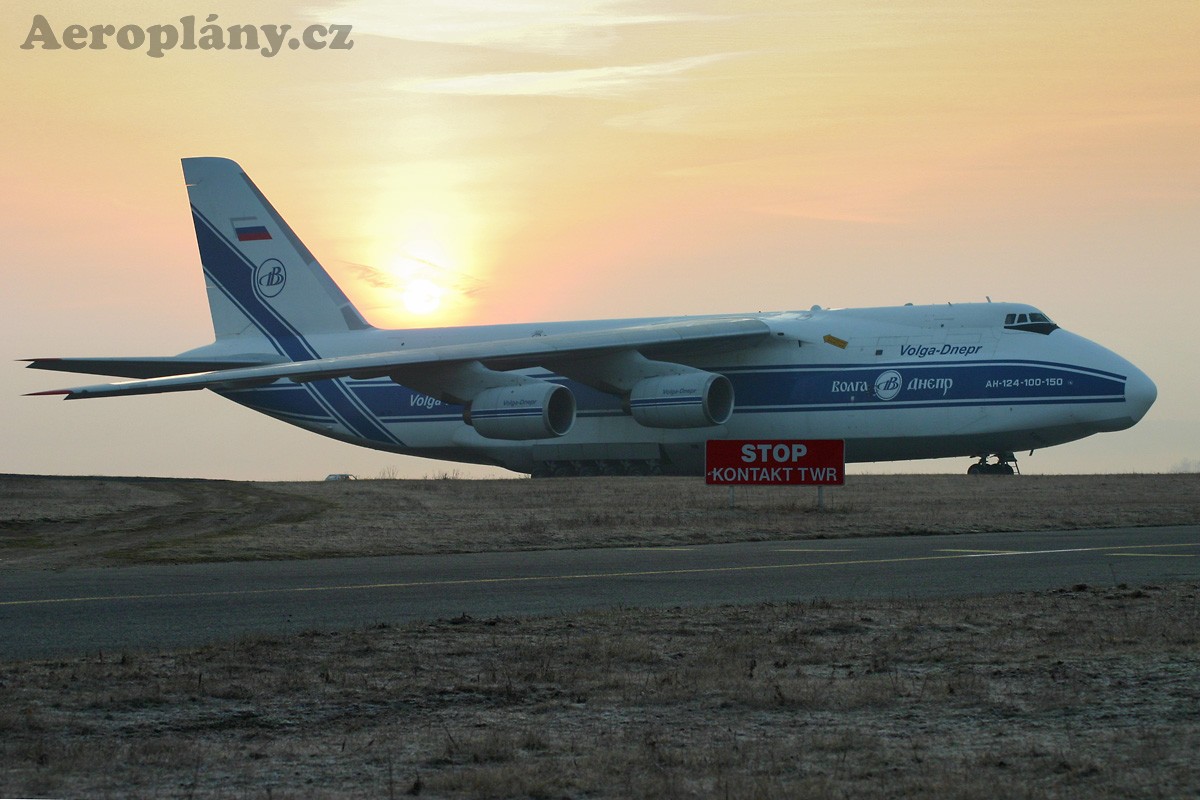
776,462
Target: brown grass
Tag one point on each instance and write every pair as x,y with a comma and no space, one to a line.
1080,693
187,521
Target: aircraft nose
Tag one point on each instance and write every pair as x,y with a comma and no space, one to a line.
1140,394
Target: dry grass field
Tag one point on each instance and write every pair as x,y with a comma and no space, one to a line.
63,522
1076,692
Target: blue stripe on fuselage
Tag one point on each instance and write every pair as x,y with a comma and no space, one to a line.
783,389
995,383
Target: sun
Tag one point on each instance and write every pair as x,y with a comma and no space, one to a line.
422,296
420,280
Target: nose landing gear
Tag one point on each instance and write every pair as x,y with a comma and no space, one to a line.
1003,466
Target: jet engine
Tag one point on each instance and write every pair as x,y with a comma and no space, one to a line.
537,410
689,400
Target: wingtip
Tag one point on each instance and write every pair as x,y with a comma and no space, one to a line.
39,363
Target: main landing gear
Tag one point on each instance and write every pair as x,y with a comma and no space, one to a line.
566,469
1003,466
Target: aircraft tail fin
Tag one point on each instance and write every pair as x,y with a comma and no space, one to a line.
261,279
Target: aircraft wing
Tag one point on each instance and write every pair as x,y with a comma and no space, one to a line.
445,369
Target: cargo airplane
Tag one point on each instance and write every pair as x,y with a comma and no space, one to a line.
628,396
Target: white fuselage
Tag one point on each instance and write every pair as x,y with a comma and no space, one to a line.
894,383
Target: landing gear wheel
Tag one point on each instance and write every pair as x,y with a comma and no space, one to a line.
1003,465
560,469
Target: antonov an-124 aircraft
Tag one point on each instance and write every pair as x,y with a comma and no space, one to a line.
628,396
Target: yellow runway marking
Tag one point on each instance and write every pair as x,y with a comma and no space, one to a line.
1155,555
569,577
811,550
987,552
996,553
657,549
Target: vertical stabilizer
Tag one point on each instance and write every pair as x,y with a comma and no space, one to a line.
261,279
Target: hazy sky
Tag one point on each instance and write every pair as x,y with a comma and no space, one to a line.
548,160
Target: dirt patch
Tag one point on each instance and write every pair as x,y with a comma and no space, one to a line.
57,523
52,523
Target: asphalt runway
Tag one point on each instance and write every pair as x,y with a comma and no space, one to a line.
81,611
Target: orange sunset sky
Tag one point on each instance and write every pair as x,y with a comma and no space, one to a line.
482,162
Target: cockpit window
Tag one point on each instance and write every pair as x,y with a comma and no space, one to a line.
1034,322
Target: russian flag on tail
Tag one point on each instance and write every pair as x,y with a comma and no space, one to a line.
247,229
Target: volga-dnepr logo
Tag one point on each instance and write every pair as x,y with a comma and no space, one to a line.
888,384
270,277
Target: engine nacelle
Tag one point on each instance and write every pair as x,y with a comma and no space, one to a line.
540,410
691,400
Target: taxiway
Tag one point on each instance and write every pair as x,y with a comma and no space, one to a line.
48,614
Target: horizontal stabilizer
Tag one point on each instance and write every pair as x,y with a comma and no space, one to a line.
148,367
